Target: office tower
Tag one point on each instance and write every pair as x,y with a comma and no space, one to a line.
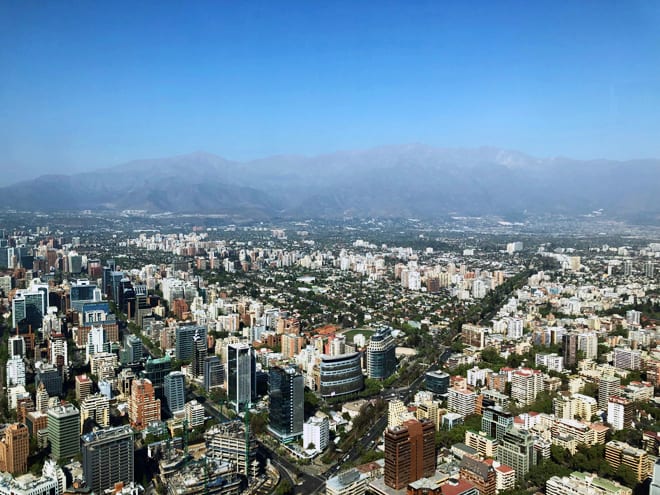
200,349
569,343
133,350
15,369
96,341
241,375
436,382
409,453
14,449
183,347
108,457
28,309
175,391
213,373
286,390
618,453
83,386
155,370
143,407
83,292
608,386
381,359
525,385
97,408
516,449
340,375
50,376
619,413
64,432
495,421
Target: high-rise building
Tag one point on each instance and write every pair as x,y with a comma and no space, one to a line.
627,359
83,386
525,385
241,375
462,401
133,350
655,482
316,433
516,449
619,413
51,377
436,382
286,390
200,349
64,432
481,474
155,370
340,375
620,453
42,398
175,391
608,386
227,442
184,345
569,343
649,269
108,457
97,408
409,452
143,407
381,358
15,369
14,449
16,346
213,373
495,421
350,482
28,308
579,483
588,344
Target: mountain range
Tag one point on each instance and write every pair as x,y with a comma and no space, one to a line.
391,181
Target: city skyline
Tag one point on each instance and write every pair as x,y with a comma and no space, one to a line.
87,87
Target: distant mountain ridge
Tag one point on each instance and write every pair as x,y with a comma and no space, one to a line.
389,181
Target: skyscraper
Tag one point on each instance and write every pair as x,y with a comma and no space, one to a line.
28,308
108,457
64,432
241,375
409,452
175,391
495,421
97,408
286,390
381,358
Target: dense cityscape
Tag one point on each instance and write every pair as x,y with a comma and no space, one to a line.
187,355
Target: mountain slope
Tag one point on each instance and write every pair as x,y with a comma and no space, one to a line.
394,181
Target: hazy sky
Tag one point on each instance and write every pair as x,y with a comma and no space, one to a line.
89,84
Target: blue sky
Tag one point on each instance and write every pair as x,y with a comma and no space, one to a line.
91,84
